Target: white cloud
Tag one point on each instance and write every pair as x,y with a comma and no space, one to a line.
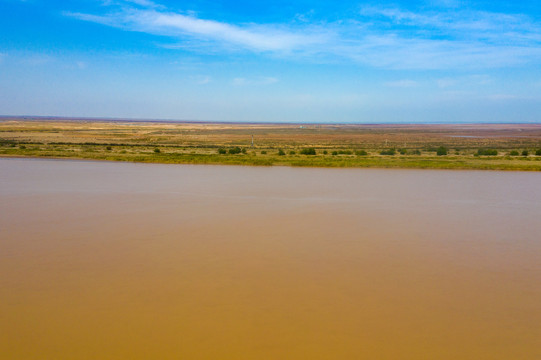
458,39
402,83
446,82
259,38
142,3
264,80
37,59
202,80
502,97
470,81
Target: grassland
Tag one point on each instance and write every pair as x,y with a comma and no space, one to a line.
415,146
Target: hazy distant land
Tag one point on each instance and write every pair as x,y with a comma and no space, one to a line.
445,146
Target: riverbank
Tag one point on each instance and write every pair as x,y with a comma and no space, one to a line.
474,147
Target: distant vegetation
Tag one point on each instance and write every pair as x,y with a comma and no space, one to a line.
442,150
350,146
308,151
487,152
388,152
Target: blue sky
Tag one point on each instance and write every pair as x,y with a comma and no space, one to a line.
277,61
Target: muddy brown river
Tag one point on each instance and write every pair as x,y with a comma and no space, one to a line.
106,260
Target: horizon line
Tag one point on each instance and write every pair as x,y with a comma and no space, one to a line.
186,121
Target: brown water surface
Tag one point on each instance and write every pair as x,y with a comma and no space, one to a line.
138,261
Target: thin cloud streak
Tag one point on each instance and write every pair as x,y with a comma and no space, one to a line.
266,80
454,39
258,38
402,84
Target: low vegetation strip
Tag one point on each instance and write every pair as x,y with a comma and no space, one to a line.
492,147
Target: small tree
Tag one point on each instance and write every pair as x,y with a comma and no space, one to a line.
487,152
441,151
308,151
281,152
222,151
388,152
157,151
513,153
525,153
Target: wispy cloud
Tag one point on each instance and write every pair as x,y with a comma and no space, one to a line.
202,80
379,36
265,80
37,59
470,81
402,83
142,3
259,38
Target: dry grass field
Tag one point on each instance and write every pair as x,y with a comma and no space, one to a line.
462,146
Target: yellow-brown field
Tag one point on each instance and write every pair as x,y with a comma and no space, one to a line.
335,145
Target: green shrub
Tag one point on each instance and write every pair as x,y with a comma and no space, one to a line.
222,151
525,153
334,153
361,153
235,150
281,152
325,152
442,150
308,151
538,152
487,152
157,151
388,152
416,152
109,148
22,147
243,150
263,152
513,153
292,152
402,151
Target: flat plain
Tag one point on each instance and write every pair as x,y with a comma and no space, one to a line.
445,146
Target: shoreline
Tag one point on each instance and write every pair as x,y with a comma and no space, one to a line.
82,159
403,146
